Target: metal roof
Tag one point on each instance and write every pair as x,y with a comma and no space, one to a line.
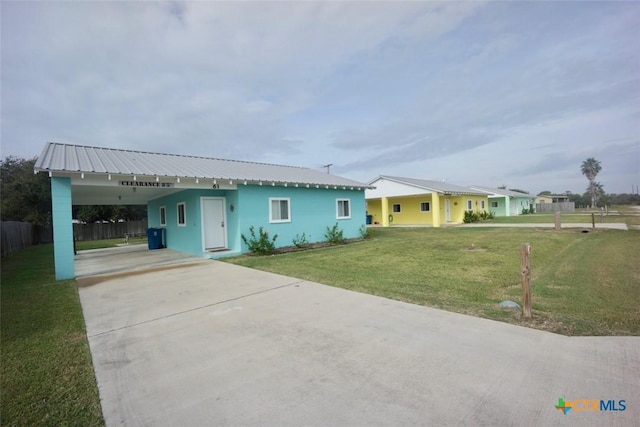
501,192
435,186
69,158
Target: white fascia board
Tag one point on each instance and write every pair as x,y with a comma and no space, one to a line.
389,188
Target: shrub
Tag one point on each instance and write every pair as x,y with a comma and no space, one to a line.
260,244
300,241
364,231
532,209
525,211
334,235
470,216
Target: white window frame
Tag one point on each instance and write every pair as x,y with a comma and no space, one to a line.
469,205
279,199
493,204
393,208
184,214
428,207
163,216
348,202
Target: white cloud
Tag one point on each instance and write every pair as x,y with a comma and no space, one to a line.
374,87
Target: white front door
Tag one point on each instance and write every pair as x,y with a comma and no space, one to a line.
447,210
214,235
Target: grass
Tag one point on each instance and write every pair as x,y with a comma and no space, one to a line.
83,245
617,214
47,373
583,284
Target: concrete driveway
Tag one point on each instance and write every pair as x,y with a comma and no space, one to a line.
211,343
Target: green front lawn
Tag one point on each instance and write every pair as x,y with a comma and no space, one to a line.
47,375
83,245
583,284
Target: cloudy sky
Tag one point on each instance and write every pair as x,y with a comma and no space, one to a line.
513,93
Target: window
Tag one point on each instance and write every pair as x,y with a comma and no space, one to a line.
469,205
425,206
482,204
279,210
396,208
343,210
163,216
493,204
182,215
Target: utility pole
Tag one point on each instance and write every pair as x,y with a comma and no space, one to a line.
328,166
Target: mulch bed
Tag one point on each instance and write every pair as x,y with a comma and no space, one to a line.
309,246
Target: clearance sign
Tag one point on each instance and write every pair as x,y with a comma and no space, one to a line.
146,184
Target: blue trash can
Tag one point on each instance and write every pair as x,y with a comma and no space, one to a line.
154,238
369,219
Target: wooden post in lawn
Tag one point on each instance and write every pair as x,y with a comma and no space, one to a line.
593,221
525,252
558,221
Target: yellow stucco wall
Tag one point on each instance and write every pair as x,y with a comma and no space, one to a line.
410,213
459,206
374,208
410,210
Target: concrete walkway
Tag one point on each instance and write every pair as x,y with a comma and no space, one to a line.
583,225
217,344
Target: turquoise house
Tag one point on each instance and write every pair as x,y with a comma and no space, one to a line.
504,202
202,205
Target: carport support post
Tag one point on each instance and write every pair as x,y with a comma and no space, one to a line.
385,211
435,209
525,252
62,228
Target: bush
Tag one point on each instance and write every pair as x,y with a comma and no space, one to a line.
532,209
470,216
364,231
300,241
334,235
261,244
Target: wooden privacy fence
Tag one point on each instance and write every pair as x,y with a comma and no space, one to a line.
556,207
20,235
113,230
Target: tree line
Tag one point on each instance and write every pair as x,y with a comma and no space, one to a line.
26,197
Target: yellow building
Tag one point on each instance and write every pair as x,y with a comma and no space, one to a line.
409,201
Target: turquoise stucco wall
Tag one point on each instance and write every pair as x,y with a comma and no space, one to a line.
521,203
62,228
503,206
189,238
312,211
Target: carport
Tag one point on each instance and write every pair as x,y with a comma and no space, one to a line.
78,177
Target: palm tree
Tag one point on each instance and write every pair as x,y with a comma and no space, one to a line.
600,194
590,169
